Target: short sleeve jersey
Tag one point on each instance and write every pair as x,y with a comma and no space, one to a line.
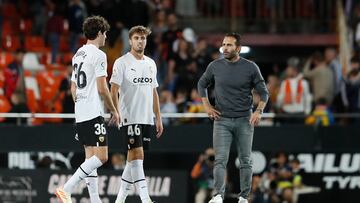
137,79
89,63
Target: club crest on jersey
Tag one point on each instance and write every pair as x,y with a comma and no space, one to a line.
101,138
132,140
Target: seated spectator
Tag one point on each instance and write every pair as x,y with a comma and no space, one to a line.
297,173
12,74
18,105
278,179
195,103
167,105
321,115
257,194
202,174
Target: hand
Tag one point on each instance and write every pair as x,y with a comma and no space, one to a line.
115,119
212,112
255,118
159,128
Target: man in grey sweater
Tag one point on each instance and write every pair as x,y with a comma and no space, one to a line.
234,79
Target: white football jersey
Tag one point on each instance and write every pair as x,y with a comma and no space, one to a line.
137,79
89,62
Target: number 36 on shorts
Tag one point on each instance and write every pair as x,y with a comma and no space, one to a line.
100,129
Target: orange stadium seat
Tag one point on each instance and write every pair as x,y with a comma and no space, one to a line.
35,44
5,59
67,58
2,82
55,67
5,106
11,43
32,91
32,95
49,84
45,58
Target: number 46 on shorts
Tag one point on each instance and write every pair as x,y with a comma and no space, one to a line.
133,129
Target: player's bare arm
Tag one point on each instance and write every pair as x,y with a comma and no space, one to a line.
105,95
156,108
73,91
114,91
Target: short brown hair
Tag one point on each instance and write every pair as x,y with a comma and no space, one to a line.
236,36
92,25
139,29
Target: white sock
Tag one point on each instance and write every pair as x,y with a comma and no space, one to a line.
137,173
92,185
126,183
84,170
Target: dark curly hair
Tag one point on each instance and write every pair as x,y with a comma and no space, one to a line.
92,25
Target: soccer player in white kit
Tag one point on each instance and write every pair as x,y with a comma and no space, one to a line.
133,90
89,87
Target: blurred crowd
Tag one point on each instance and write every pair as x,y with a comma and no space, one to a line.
39,37
282,180
315,89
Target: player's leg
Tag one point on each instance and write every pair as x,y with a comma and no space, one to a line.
136,157
85,169
92,179
137,136
91,134
244,137
222,138
126,183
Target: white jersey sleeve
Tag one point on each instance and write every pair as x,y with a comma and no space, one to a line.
118,72
155,84
101,65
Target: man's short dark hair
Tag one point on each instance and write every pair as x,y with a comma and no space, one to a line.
92,25
236,36
318,56
140,30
